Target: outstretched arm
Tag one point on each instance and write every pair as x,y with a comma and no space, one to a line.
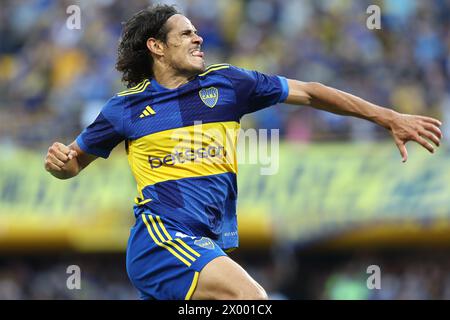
65,162
403,127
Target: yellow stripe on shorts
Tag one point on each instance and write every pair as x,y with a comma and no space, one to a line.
162,244
184,244
192,287
169,238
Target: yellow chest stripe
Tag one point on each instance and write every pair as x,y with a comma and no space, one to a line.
194,151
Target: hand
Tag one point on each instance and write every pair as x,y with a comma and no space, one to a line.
57,157
406,128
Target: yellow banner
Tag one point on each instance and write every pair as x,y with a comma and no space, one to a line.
90,212
318,191
323,190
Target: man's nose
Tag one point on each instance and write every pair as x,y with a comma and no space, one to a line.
198,39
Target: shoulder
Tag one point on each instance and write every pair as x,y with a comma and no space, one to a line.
137,89
235,75
224,69
124,98
114,107
215,69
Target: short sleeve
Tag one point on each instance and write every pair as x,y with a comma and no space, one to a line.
256,90
106,132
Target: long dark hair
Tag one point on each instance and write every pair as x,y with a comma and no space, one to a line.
134,60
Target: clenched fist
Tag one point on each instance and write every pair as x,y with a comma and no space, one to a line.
58,156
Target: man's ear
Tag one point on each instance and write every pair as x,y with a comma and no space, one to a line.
155,46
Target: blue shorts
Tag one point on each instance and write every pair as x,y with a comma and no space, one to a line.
163,262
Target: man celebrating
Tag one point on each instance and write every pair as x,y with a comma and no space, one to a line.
186,207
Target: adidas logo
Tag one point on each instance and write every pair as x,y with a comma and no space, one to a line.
148,111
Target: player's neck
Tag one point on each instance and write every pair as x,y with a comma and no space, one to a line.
169,78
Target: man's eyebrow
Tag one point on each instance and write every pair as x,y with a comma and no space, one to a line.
189,30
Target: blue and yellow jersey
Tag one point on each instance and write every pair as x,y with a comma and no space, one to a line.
181,144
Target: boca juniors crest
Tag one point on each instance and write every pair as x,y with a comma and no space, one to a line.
209,96
204,243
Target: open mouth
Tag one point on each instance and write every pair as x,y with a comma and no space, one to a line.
197,53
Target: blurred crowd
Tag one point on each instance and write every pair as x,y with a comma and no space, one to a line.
46,278
54,80
404,275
